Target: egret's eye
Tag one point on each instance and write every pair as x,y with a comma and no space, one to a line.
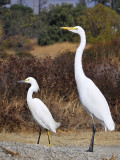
27,80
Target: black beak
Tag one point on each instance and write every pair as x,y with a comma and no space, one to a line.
21,81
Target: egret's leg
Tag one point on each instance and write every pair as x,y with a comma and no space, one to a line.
39,136
92,139
49,138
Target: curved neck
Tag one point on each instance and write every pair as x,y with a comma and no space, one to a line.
30,93
78,58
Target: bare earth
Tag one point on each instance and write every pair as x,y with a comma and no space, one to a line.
65,145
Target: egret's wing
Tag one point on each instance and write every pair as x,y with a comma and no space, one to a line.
42,114
95,103
94,100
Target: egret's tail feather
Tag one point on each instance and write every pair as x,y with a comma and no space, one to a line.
110,125
57,124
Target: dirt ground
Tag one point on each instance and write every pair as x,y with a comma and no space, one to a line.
64,138
70,145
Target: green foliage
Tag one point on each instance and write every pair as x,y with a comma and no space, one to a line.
1,32
4,2
57,17
17,20
102,23
117,6
17,42
21,8
103,50
46,26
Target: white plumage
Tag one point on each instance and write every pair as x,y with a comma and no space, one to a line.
95,103
90,96
39,110
42,115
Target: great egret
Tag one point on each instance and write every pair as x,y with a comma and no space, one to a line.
39,110
90,96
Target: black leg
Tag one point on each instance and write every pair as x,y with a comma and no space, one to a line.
39,136
92,139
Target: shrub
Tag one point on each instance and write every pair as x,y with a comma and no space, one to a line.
3,54
23,54
102,23
58,88
21,8
17,42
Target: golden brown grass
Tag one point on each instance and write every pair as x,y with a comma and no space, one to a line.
17,117
76,124
54,50
50,50
114,157
64,138
58,89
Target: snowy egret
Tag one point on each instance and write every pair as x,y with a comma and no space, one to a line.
39,110
90,96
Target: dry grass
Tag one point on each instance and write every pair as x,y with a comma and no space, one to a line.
114,157
58,88
64,138
8,151
15,116
54,50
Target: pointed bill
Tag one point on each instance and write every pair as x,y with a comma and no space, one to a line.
21,81
69,28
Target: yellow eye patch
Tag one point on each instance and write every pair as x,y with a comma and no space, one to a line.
27,80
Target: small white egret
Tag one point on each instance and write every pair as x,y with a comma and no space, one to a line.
90,96
39,110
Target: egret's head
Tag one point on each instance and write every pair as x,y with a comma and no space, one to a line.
31,81
77,29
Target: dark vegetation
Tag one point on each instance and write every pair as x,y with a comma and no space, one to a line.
57,84
100,23
55,76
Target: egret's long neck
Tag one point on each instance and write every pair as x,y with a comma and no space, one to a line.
29,94
79,73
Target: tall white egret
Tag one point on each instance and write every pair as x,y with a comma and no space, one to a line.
39,110
90,96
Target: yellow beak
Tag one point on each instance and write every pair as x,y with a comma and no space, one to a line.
69,28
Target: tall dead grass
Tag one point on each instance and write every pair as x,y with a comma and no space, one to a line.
58,88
